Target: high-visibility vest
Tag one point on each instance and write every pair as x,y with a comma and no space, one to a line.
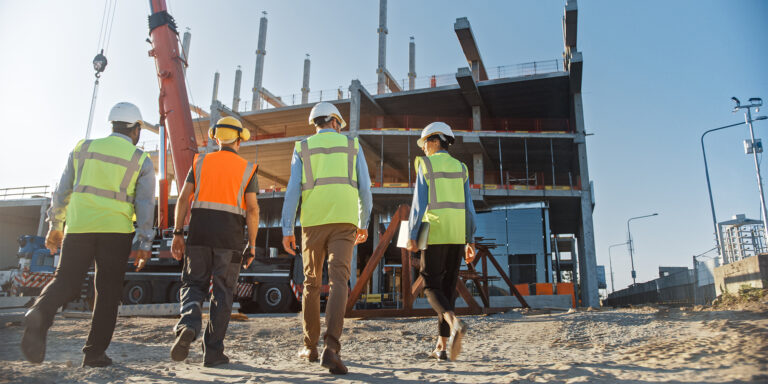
104,186
220,181
446,210
328,179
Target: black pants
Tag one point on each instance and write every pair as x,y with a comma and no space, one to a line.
201,265
78,251
440,270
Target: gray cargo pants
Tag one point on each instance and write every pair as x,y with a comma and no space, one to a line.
201,265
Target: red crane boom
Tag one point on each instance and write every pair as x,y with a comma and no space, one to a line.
175,115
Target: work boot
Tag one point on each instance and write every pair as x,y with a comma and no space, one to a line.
180,349
223,359
97,362
310,354
35,333
332,361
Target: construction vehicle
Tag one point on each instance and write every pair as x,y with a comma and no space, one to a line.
268,285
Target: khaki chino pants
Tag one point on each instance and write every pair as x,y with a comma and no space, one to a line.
336,242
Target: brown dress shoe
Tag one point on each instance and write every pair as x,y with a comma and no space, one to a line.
308,353
333,362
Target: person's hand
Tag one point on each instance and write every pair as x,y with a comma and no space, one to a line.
412,246
248,256
361,236
177,247
469,253
141,259
289,244
53,240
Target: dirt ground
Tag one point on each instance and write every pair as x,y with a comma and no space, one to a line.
618,346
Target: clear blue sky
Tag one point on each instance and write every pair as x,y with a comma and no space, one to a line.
656,75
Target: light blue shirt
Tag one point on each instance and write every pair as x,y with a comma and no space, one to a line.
143,201
419,207
293,191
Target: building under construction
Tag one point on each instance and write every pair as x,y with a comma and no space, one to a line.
520,130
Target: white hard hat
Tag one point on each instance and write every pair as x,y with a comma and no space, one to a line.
436,128
125,112
326,109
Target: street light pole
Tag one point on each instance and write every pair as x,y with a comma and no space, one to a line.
610,262
709,186
756,103
629,243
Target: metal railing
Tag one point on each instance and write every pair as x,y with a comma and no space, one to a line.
25,192
429,81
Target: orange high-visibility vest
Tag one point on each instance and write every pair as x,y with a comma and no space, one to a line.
220,181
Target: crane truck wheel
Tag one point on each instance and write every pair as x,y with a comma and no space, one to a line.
274,298
137,292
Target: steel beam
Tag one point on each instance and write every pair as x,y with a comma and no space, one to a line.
469,46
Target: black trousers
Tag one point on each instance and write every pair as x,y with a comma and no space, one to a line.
201,265
110,251
440,269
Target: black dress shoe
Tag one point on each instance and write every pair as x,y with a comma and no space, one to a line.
215,362
97,362
33,341
333,362
180,349
454,342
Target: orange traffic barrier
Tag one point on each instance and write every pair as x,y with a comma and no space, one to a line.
544,288
523,289
567,289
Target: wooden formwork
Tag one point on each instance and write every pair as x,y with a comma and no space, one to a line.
409,290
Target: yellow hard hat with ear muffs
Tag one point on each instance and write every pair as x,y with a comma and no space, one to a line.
228,129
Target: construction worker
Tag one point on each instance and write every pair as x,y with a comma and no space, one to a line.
221,188
441,198
105,182
329,172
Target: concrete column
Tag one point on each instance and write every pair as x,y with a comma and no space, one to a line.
477,169
477,121
185,49
236,96
305,82
475,70
215,96
411,65
260,53
354,108
214,117
587,258
382,31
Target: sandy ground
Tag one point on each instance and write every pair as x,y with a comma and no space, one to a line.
629,346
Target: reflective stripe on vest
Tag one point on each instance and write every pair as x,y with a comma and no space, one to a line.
131,166
306,154
235,209
431,176
446,209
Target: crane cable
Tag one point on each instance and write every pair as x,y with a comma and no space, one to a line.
100,60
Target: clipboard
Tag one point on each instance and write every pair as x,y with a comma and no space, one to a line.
404,235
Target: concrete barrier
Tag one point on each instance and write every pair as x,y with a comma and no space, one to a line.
535,301
752,271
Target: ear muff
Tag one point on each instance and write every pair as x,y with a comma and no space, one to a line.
212,132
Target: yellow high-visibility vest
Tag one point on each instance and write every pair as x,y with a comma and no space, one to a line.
329,192
446,210
104,186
